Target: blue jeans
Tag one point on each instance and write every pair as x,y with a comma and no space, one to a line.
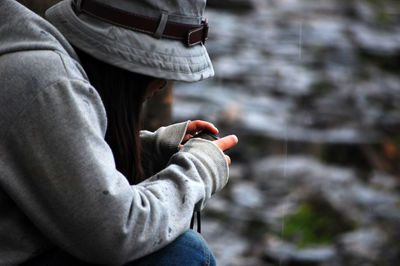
189,249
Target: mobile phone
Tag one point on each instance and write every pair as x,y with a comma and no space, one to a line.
205,134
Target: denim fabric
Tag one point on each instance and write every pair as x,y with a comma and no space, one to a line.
189,249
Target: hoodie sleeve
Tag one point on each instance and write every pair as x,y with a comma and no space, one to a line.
159,146
61,173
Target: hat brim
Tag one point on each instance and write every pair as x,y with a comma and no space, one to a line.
134,51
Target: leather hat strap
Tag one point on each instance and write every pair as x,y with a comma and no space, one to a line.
189,34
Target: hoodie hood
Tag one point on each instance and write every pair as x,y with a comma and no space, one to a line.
23,30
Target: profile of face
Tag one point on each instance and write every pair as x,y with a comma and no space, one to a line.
155,85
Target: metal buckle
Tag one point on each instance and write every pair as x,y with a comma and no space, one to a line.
205,30
204,36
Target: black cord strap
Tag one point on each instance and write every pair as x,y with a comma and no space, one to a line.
198,221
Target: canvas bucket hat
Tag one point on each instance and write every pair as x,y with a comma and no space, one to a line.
133,50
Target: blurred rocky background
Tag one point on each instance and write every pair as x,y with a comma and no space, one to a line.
312,89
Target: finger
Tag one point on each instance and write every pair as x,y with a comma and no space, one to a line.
226,142
187,137
228,159
198,125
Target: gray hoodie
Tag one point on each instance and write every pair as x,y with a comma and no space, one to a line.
58,182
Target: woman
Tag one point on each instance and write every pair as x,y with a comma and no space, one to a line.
78,184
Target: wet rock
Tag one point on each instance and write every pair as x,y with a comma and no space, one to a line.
383,182
364,11
218,207
249,261
246,194
283,253
227,245
377,41
305,178
324,32
237,171
363,246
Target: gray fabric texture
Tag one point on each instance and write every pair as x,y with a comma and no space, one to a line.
181,11
135,51
58,182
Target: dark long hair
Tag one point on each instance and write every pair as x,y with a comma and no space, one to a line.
122,93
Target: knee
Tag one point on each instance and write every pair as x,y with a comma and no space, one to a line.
192,246
191,240
188,249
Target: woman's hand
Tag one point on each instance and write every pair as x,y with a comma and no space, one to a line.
196,126
226,143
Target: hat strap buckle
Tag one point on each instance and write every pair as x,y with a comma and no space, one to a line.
198,35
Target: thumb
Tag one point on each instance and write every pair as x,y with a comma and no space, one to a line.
228,159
